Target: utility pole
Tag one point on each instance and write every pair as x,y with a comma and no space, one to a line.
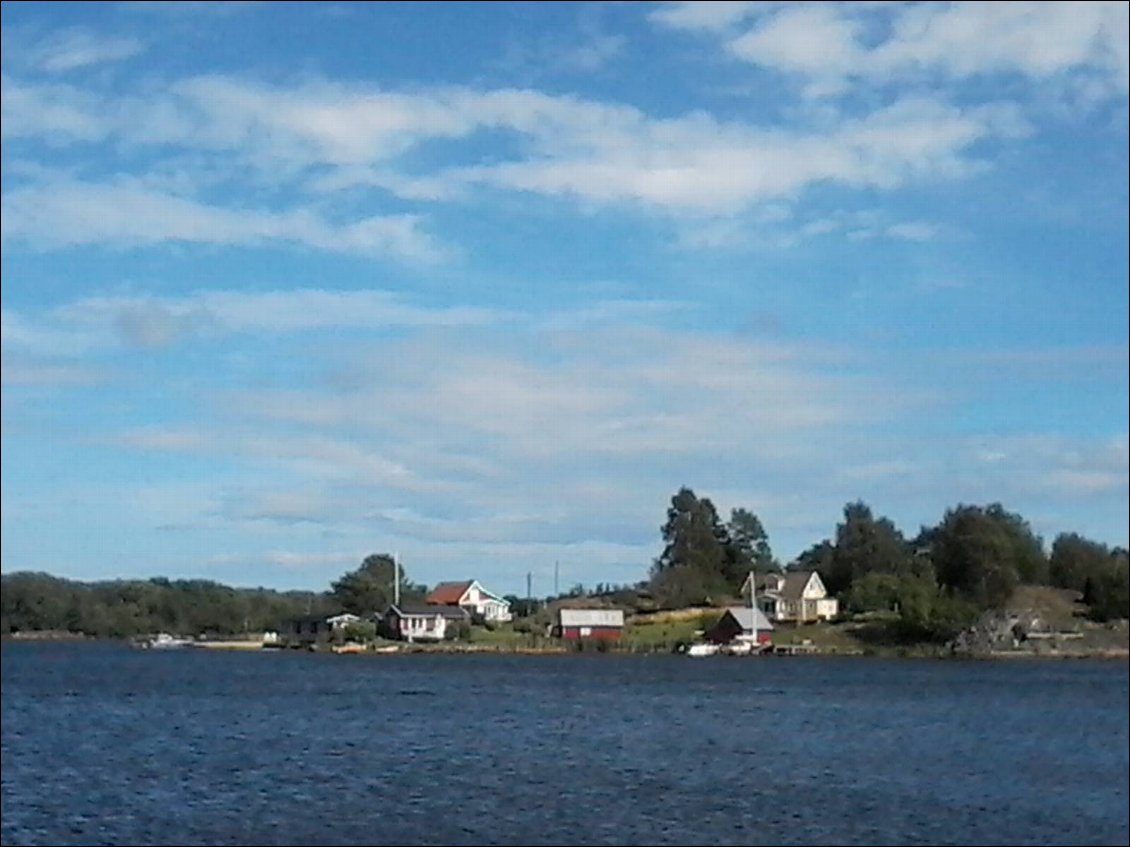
396,580
556,589
529,591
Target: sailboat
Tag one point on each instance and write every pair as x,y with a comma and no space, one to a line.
745,645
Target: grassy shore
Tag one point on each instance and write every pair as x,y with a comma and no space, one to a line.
1053,620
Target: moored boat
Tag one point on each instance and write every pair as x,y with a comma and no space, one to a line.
702,649
164,641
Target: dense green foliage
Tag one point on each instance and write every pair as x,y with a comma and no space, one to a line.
36,602
864,546
1075,561
929,588
371,587
1106,589
984,553
704,562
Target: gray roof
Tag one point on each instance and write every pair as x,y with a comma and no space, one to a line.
427,610
792,587
795,583
747,617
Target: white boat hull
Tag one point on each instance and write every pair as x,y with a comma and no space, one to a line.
699,650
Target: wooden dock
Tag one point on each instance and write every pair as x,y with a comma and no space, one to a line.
794,649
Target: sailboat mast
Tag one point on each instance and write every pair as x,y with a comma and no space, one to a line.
753,607
396,580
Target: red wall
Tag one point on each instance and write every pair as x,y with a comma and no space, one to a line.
573,633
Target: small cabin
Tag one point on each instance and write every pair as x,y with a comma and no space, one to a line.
575,624
741,624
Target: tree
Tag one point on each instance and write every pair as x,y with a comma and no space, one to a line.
1074,559
747,548
126,608
928,612
1027,547
691,570
865,545
983,553
370,588
361,632
875,592
1108,591
819,557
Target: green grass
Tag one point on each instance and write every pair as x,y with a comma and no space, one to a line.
504,637
643,635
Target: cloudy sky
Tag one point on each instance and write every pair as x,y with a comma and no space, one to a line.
485,284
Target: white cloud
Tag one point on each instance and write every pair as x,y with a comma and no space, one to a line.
74,48
594,152
285,507
165,439
43,338
55,112
592,54
696,165
192,7
151,322
1051,465
818,40
604,393
913,230
1086,482
295,560
1035,39
710,15
43,374
67,213
832,44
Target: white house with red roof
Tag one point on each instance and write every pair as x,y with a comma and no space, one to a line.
470,595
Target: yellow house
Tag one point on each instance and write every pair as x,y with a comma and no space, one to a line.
793,597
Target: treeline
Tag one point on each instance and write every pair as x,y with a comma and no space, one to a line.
929,587
37,602
934,584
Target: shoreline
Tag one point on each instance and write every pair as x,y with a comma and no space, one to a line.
911,652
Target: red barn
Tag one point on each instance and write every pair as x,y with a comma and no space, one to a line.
574,624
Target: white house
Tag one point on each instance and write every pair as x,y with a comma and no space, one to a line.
415,622
470,595
793,597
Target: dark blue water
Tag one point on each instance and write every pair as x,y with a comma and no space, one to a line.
107,745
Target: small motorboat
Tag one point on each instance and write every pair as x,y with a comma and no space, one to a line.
702,649
164,641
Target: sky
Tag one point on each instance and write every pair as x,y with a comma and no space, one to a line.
483,285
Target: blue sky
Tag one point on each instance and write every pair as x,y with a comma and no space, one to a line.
485,284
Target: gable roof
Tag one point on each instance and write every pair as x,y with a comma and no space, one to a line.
421,610
748,617
449,593
764,582
792,584
795,583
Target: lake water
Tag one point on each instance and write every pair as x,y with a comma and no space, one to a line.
107,745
